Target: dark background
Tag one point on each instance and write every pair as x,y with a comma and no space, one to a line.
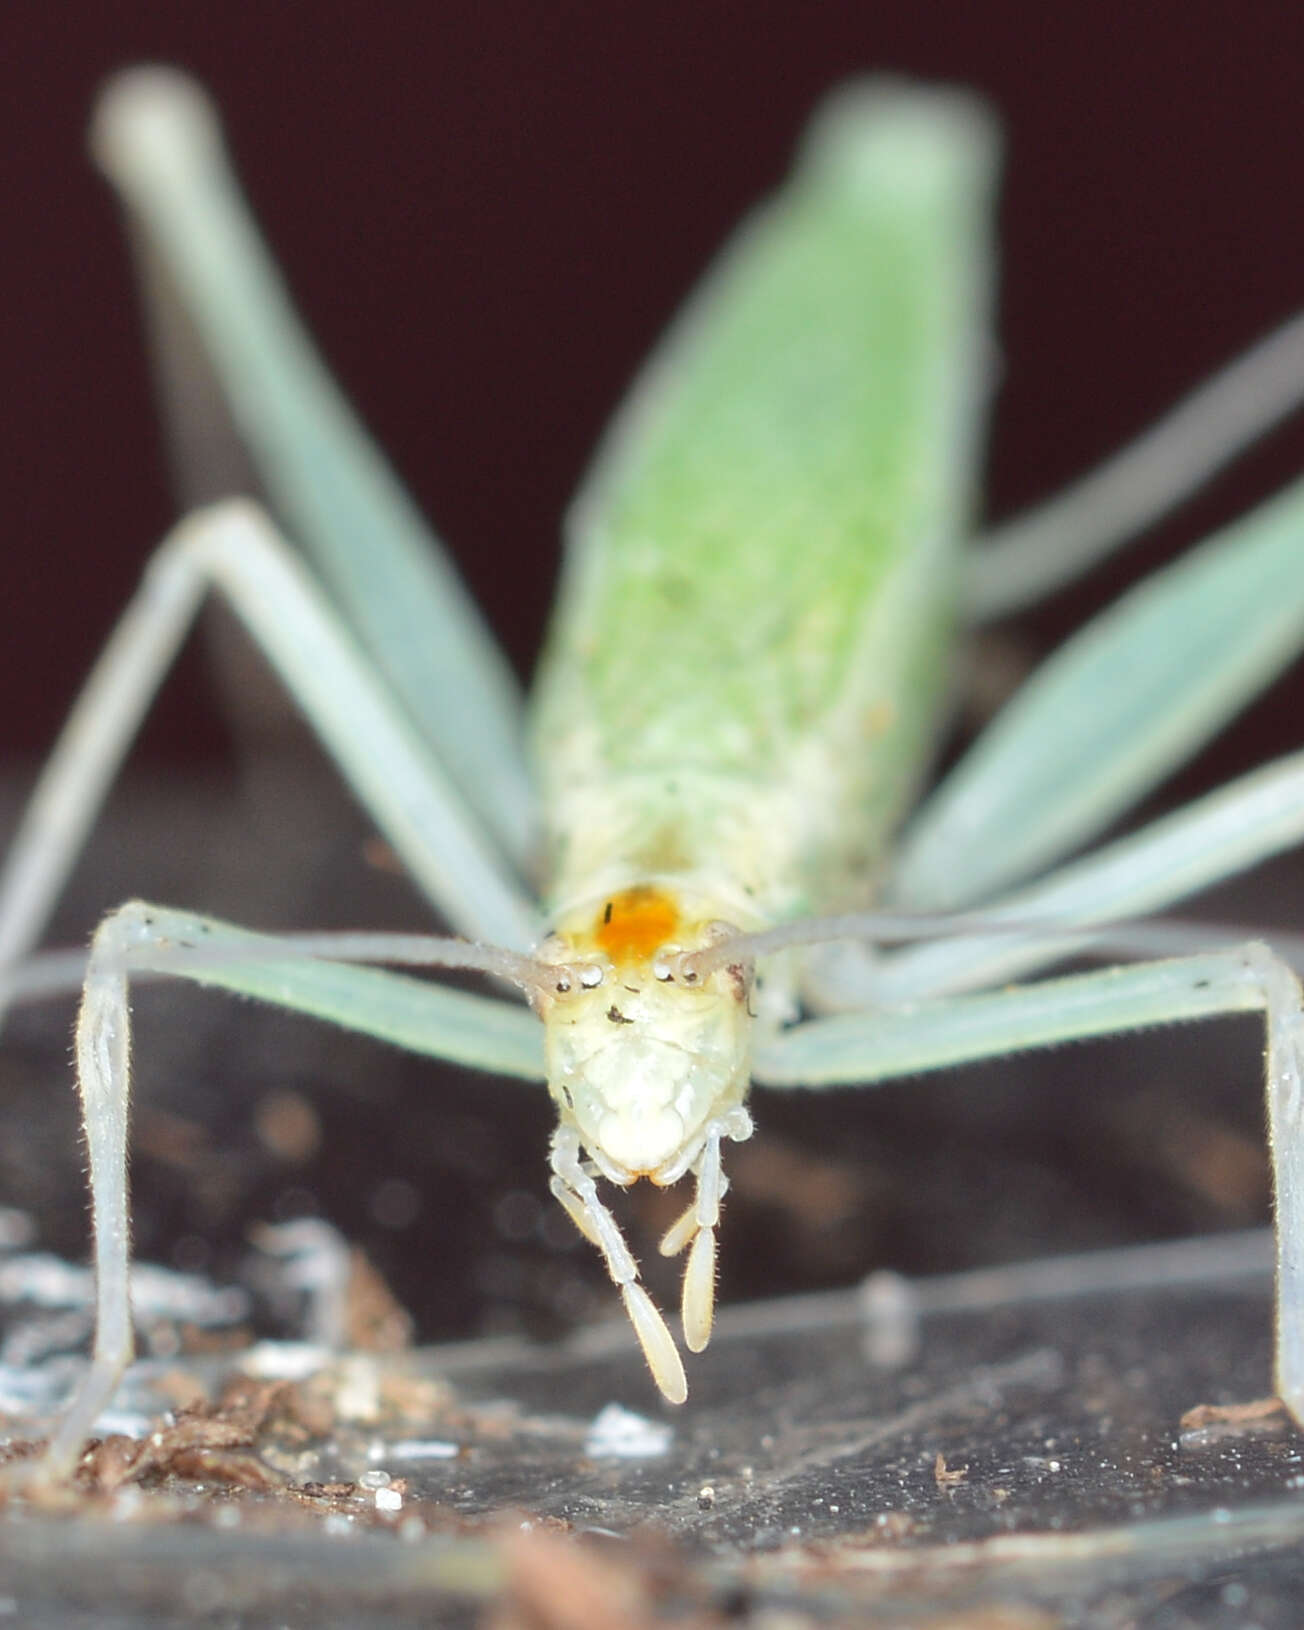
488,211
487,215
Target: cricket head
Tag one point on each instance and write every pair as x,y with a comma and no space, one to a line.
642,1051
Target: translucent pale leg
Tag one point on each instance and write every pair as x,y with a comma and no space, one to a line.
876,1046
103,1063
1116,708
487,1026
573,1185
235,549
1036,553
157,137
696,1228
1210,839
141,938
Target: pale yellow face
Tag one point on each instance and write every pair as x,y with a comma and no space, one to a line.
641,1058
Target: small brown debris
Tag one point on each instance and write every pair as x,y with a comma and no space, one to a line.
1257,1409
556,1584
419,1399
1211,1423
890,1526
198,1447
180,1389
288,1127
209,1443
374,1319
330,1493
945,1477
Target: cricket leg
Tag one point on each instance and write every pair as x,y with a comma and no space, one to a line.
142,939
1021,561
877,1046
574,1186
696,1228
1118,707
229,348
235,549
1205,842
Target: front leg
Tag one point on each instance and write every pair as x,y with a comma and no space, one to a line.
698,1225
573,1185
103,1048
292,973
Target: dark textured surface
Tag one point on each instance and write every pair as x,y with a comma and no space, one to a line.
1065,1484
799,1472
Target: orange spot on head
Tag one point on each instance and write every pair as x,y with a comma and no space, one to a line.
633,925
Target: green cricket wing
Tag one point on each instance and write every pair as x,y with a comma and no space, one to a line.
746,663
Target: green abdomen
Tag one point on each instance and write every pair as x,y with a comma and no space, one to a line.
747,660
